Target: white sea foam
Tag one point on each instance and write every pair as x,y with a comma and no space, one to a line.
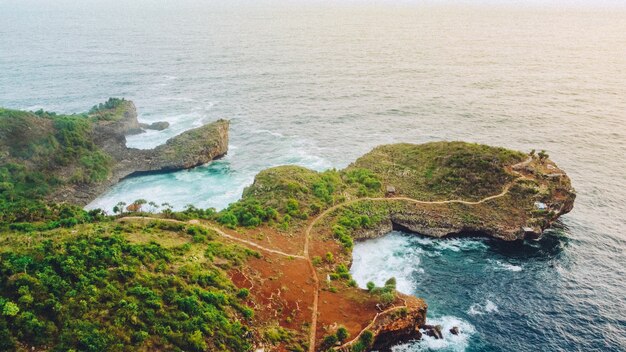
33,107
450,342
490,307
275,134
391,256
183,99
481,309
451,244
498,265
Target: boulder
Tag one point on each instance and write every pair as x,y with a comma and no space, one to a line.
157,126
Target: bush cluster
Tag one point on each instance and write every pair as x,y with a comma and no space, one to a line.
246,212
387,293
95,293
366,180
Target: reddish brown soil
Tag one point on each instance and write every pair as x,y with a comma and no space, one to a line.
349,307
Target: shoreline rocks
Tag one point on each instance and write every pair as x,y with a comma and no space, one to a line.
157,126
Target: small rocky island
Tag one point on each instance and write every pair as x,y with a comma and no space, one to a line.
268,273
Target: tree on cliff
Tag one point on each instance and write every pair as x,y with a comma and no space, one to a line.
119,208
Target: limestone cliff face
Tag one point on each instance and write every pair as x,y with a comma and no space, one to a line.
537,195
187,150
119,128
400,325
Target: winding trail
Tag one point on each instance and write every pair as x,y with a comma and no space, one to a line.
306,255
505,190
219,232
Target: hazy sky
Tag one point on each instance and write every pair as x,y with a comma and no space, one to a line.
522,3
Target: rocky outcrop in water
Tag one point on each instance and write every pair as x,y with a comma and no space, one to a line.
157,126
190,149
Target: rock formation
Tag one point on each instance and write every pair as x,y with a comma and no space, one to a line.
191,148
157,126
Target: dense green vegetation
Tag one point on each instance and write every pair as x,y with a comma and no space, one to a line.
441,170
283,195
110,110
248,213
96,291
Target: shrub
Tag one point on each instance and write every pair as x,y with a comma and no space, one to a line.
247,212
367,338
342,333
243,293
276,334
344,238
10,309
387,298
329,341
390,284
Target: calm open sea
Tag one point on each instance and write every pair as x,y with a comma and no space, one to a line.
319,85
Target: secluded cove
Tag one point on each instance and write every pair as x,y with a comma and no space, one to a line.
474,284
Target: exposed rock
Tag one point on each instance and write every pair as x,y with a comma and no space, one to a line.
454,330
399,325
433,331
134,207
119,128
157,126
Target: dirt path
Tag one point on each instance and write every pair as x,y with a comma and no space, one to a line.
221,233
309,228
306,255
356,338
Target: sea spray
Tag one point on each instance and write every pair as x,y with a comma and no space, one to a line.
379,259
450,341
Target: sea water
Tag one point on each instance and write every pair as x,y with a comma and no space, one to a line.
319,84
487,289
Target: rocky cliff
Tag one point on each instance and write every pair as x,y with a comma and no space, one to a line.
392,326
509,197
74,158
190,149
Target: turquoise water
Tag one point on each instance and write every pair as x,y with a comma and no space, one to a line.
319,85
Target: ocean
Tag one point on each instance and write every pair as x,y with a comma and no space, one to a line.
319,84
